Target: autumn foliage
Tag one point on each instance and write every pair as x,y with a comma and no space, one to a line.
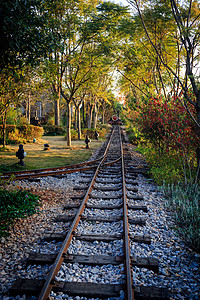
167,125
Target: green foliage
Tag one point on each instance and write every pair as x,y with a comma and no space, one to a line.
74,134
54,130
10,168
23,21
165,167
90,132
134,135
21,133
22,121
184,200
13,205
12,116
101,129
4,183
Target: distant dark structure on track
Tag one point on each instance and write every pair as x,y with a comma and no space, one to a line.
115,120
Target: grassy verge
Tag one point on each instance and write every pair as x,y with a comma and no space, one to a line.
20,204
58,155
164,168
184,201
182,195
13,205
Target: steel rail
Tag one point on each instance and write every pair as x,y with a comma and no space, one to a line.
48,171
50,281
64,171
129,280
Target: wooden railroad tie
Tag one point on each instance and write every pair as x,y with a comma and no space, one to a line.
150,263
34,286
60,236
105,197
115,181
66,218
133,207
132,170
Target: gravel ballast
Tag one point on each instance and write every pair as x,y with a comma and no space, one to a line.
178,264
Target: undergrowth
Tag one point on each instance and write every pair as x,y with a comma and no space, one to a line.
165,167
181,188
184,200
14,205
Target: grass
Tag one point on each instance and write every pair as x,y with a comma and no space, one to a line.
58,155
14,205
182,194
164,168
184,201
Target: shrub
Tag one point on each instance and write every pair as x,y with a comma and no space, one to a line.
54,130
167,125
167,167
134,136
13,205
21,133
102,131
74,134
184,201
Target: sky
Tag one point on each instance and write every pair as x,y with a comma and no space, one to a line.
123,2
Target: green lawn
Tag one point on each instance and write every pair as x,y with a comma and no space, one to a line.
58,155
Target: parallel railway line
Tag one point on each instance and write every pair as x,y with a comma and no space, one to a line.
102,197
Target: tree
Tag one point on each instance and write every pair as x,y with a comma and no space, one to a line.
140,67
22,33
187,19
10,87
24,43
85,45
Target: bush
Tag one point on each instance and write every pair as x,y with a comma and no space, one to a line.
54,130
167,125
13,205
21,133
102,131
166,168
74,134
185,203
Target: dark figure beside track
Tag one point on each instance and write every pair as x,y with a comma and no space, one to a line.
96,135
87,141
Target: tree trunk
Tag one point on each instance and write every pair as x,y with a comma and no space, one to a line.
57,108
4,128
83,112
90,116
78,121
95,117
103,116
86,119
87,116
75,118
28,108
161,80
68,124
155,80
57,94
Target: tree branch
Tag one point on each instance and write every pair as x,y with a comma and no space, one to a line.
132,83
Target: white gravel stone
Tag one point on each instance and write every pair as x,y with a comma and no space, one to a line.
85,227
178,265
99,274
114,248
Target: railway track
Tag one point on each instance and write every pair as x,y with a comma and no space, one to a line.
56,171
101,214
31,174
